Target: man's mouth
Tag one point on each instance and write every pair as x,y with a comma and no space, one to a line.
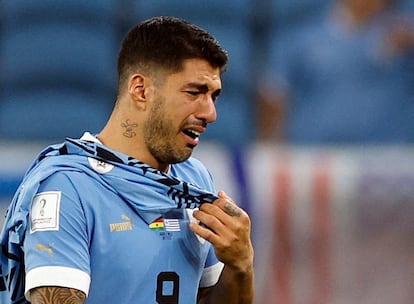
192,133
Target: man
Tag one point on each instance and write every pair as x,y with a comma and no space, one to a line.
128,216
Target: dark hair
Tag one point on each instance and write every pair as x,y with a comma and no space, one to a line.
164,42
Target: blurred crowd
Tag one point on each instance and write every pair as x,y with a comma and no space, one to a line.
300,72
343,77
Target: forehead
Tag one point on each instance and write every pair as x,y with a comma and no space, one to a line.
197,71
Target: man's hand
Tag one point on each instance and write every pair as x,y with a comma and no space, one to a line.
228,229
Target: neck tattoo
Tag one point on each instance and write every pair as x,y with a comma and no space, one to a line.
129,128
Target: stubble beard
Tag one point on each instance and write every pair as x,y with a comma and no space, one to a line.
160,134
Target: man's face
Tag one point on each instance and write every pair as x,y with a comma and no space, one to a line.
179,113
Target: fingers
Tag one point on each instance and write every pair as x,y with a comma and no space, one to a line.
222,212
223,218
227,227
228,205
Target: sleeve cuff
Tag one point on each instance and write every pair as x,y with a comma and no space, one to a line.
211,275
57,276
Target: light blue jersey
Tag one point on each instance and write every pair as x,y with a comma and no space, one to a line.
82,234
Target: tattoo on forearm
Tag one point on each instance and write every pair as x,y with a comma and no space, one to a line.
232,210
129,128
57,295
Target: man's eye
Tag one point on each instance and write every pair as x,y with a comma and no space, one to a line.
194,93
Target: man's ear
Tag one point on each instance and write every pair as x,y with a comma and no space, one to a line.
137,89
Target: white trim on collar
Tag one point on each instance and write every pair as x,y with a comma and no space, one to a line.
89,137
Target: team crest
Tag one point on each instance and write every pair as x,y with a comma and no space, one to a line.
99,165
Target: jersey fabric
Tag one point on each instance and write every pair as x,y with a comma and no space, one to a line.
82,234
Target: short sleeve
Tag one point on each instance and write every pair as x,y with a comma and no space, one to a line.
212,270
56,242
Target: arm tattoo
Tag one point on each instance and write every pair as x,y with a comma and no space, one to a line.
129,128
56,295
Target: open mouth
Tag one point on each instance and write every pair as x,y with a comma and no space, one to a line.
193,134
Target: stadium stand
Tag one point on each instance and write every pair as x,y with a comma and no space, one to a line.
58,67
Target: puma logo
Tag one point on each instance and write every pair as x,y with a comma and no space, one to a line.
45,248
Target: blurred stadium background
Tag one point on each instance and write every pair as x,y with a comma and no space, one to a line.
331,223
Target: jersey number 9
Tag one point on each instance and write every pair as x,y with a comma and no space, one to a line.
168,284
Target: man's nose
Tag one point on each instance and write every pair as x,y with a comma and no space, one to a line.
207,110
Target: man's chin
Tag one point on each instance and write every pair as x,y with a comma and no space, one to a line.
184,155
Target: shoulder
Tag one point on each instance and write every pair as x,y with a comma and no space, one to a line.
191,167
64,179
62,171
193,171
192,164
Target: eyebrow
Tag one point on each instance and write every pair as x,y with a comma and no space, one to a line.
201,87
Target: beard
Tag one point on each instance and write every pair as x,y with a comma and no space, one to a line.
160,135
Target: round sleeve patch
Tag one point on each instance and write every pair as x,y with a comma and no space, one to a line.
44,214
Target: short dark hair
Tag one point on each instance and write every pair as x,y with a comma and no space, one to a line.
165,42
